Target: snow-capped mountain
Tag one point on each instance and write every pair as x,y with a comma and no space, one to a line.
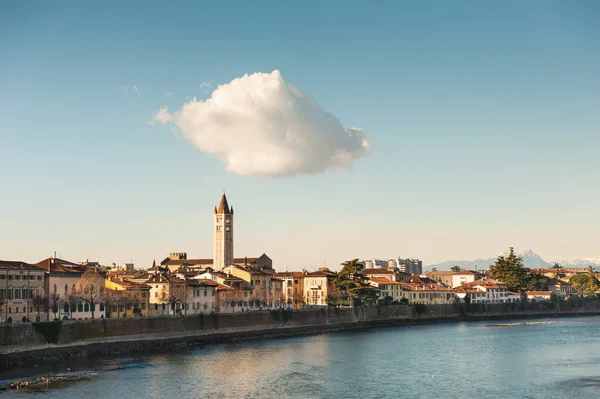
530,258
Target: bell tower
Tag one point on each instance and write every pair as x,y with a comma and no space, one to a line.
223,250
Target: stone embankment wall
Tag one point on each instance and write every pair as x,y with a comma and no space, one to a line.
25,344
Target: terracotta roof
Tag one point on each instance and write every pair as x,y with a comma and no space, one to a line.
383,281
538,293
424,287
449,272
289,274
56,265
487,283
378,271
18,265
223,206
320,273
164,278
218,286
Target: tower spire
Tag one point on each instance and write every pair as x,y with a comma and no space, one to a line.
223,206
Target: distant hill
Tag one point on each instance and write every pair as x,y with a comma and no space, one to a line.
531,260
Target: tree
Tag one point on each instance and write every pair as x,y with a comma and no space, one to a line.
154,263
177,295
455,268
54,303
71,300
39,303
585,285
535,282
90,288
351,283
298,299
510,270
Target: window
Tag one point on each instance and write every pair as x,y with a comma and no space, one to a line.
17,293
205,293
39,278
10,277
102,307
3,277
18,277
156,295
143,306
9,310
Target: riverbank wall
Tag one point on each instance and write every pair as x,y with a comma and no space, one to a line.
38,343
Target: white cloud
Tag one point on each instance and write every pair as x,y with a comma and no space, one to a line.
132,88
259,125
162,116
205,85
209,178
169,94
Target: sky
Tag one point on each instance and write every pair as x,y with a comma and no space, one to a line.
341,129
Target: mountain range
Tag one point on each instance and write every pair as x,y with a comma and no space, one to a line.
531,260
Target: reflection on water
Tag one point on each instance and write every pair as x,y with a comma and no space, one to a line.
529,359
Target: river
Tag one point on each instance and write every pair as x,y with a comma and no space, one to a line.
541,358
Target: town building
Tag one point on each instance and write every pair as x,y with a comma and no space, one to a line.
293,288
201,296
318,287
391,274
485,290
60,283
452,279
560,288
22,292
126,298
167,294
411,266
539,296
387,288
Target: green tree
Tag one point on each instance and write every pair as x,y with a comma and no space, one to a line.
352,283
586,285
510,270
535,282
455,268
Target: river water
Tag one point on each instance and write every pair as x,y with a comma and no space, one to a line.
542,358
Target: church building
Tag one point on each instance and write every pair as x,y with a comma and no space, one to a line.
223,255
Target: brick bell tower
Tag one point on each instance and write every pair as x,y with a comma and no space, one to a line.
223,250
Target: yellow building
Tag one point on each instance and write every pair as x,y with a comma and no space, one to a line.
292,288
387,288
317,287
126,299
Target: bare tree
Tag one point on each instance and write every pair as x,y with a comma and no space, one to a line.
71,300
177,295
54,301
90,288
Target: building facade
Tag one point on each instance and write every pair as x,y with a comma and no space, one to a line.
22,292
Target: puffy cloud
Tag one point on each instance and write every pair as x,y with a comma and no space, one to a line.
259,125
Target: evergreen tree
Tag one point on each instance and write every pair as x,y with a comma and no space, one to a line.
511,271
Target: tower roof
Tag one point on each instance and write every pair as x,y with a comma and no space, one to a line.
223,206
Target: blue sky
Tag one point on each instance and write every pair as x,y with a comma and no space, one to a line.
482,116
